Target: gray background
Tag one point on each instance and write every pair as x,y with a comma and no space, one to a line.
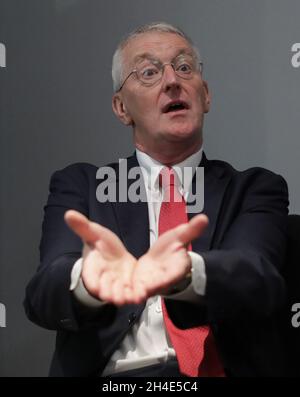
55,109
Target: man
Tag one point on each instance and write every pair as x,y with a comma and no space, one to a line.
137,289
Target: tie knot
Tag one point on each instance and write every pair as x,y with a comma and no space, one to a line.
168,177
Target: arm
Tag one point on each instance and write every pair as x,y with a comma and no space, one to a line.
109,272
49,302
243,269
247,254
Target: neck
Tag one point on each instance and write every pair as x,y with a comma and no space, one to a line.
170,153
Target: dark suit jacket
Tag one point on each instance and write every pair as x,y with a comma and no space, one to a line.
243,248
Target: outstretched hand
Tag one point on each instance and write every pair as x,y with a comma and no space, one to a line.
107,265
167,261
110,273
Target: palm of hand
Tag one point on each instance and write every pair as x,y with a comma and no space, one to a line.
112,274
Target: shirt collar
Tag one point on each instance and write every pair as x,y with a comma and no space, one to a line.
151,169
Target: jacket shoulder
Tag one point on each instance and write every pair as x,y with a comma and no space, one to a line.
78,168
253,172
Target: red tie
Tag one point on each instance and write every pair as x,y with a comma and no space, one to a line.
195,348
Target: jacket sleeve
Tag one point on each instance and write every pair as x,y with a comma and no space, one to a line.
49,301
243,268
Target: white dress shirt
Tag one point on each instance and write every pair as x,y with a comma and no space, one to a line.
147,342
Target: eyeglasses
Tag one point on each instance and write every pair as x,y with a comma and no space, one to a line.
150,71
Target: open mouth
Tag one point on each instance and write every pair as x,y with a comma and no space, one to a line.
175,106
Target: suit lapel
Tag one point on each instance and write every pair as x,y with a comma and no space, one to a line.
215,184
132,218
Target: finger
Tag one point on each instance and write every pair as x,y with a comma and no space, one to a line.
81,226
108,241
183,234
128,294
193,229
91,232
139,292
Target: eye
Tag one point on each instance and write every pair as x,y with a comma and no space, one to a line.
149,72
184,68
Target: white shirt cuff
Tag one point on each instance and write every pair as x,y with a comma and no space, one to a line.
198,273
197,286
79,290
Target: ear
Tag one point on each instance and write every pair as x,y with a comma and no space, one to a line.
207,97
120,110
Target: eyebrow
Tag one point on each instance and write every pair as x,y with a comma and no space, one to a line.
148,55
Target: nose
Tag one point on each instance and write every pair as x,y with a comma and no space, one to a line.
170,80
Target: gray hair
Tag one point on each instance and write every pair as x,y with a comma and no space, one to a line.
117,62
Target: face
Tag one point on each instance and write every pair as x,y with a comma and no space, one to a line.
148,109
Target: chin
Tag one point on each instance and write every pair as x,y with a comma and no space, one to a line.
182,132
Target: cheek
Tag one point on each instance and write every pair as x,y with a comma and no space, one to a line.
201,106
143,110
199,94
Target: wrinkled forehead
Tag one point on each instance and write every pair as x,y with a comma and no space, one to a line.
158,45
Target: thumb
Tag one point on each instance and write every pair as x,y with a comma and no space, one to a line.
80,225
94,233
191,230
183,233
